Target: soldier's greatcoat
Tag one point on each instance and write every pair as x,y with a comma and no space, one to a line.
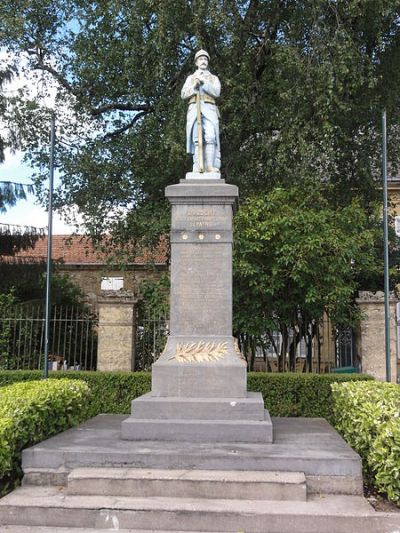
209,111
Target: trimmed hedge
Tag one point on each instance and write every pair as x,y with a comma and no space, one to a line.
293,394
112,392
289,394
6,434
34,410
367,415
384,460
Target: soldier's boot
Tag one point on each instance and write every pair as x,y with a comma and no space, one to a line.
196,167
210,158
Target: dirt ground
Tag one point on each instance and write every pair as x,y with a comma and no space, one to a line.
379,502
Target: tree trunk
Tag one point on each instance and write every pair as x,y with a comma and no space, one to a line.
284,346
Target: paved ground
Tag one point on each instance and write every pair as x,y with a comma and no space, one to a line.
304,445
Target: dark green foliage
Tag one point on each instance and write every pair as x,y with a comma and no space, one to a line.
5,76
14,238
284,394
303,84
297,258
152,320
293,394
11,192
28,282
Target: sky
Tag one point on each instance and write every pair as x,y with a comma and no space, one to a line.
26,212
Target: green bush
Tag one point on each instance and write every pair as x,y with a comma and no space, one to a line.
32,411
293,394
6,433
361,408
112,392
367,415
286,394
384,459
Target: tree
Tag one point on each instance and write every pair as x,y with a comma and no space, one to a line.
295,259
10,191
303,86
12,237
5,76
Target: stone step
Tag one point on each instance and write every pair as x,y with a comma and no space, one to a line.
300,445
149,407
210,484
207,431
40,529
51,507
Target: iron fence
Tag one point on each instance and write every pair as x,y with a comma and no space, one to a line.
72,338
152,330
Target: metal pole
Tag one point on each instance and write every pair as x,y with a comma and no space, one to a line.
386,247
49,249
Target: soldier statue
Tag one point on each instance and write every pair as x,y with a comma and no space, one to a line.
202,123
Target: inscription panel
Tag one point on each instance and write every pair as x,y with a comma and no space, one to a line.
201,289
192,217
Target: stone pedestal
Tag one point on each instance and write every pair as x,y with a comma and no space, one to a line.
115,351
371,340
199,382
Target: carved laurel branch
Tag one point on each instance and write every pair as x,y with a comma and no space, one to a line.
237,350
199,352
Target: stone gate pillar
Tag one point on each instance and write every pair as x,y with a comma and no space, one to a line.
372,335
116,342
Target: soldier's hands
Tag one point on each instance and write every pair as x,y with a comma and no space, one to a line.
198,82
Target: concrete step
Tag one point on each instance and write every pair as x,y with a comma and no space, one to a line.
211,484
51,507
39,529
149,407
208,431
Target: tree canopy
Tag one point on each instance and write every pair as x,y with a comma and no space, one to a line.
297,258
303,86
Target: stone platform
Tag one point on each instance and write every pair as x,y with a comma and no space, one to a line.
89,480
305,445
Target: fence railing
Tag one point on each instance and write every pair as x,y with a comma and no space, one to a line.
152,330
151,335
72,338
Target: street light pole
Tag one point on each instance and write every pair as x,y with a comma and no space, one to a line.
49,249
386,247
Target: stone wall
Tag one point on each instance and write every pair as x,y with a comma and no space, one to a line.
371,339
88,277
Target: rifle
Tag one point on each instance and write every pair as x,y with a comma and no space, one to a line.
199,134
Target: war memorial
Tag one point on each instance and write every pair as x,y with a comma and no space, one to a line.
199,452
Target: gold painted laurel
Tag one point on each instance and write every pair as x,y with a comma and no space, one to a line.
200,352
237,350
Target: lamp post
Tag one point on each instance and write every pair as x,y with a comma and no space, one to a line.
386,247
49,249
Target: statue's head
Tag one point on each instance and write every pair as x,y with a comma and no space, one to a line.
201,59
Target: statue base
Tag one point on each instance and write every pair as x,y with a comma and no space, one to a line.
203,175
198,391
